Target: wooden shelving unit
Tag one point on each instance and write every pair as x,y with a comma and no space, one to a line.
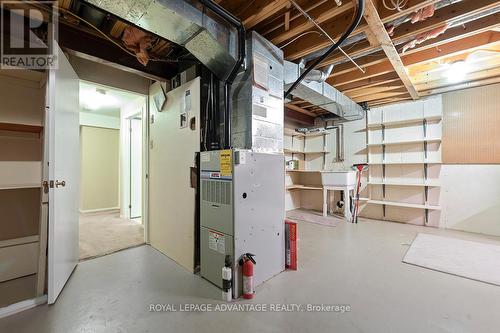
405,142
21,128
388,183
23,231
310,150
404,122
400,204
399,148
303,187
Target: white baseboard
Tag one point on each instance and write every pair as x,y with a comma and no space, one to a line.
22,306
98,210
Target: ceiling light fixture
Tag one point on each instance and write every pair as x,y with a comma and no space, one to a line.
94,99
457,71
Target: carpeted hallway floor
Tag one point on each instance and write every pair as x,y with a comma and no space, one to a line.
104,233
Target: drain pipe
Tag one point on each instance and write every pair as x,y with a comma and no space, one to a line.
228,100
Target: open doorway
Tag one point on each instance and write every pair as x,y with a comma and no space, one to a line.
111,148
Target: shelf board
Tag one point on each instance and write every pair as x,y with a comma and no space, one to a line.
20,174
318,171
19,241
291,151
20,128
404,142
403,163
403,204
405,121
403,184
19,186
307,135
303,187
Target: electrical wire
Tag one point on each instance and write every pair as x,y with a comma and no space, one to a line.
396,5
109,38
299,36
357,18
325,33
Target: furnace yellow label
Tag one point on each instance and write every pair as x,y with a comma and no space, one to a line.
226,165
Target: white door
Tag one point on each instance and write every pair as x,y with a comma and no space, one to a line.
64,171
174,140
135,167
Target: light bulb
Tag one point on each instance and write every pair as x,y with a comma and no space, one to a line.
457,71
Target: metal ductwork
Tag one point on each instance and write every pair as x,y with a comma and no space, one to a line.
208,38
320,93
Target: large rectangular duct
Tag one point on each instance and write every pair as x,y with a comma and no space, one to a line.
207,38
320,94
258,102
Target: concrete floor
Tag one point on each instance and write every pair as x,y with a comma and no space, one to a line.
359,265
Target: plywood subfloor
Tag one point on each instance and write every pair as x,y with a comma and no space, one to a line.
104,233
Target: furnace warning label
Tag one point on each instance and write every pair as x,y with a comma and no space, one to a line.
226,162
216,242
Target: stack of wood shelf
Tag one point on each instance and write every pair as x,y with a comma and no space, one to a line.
23,224
292,151
407,151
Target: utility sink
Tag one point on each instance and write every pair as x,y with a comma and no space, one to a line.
338,178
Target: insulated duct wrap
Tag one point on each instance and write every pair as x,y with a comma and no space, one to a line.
208,39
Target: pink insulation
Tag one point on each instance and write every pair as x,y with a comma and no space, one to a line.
422,14
138,42
425,36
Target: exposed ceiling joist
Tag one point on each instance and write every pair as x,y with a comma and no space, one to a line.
472,28
465,85
278,23
301,25
336,27
262,11
299,109
380,33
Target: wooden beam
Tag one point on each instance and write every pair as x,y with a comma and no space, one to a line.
320,15
374,90
456,47
272,26
484,39
263,10
382,95
338,81
370,82
380,33
479,26
336,27
299,109
299,117
391,100
460,86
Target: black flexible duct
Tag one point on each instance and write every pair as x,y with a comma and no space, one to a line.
228,101
355,22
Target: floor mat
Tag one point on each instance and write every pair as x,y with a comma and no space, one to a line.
313,216
104,233
468,259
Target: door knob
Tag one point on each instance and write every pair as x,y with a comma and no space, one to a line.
60,183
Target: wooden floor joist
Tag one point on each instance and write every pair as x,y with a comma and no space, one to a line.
375,24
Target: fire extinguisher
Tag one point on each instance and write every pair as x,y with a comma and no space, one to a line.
247,261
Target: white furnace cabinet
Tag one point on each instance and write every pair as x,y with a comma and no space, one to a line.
39,184
242,210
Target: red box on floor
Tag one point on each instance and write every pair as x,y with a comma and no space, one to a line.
291,245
